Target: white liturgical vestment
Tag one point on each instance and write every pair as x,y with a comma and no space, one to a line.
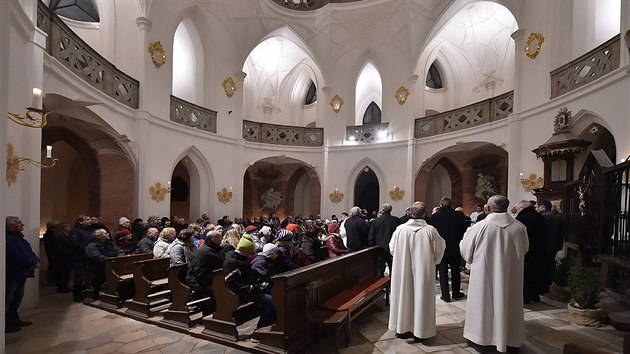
495,247
416,248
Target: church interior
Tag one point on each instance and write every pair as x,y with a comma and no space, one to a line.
247,108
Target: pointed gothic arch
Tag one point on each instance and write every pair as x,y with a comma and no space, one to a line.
201,181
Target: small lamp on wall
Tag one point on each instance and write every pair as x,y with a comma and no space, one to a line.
35,116
13,163
336,103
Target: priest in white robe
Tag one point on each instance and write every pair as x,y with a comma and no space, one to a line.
495,248
416,248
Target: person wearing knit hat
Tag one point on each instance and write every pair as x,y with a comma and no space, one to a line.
265,230
243,281
284,235
123,220
270,250
250,229
334,242
267,263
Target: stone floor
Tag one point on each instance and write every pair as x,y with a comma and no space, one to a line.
61,326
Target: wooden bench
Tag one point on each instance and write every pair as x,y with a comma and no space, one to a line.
119,280
151,295
182,313
230,312
352,280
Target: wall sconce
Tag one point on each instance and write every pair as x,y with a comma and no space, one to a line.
532,182
158,193
336,196
229,86
34,117
336,103
224,195
13,163
401,95
534,43
396,194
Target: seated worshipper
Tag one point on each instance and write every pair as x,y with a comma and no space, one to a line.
229,242
204,262
262,237
256,236
146,244
198,234
334,242
266,263
246,284
292,256
124,241
183,247
138,229
96,253
162,247
311,245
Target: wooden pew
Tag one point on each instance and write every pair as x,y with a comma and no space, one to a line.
150,278
230,312
119,280
182,313
351,271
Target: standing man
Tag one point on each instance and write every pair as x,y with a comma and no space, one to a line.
357,230
535,224
451,225
552,243
21,264
495,248
417,247
342,228
380,234
204,262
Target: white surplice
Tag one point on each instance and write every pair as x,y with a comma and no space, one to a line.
495,247
416,248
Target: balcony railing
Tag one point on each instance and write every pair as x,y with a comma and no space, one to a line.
367,133
306,5
192,115
64,45
282,134
587,68
469,116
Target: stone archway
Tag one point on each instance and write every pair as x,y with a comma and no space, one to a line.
367,190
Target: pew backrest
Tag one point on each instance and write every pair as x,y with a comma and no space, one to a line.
121,268
227,301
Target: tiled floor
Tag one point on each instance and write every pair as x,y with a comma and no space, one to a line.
61,326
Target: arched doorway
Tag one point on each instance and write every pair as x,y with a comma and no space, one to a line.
367,190
180,190
282,186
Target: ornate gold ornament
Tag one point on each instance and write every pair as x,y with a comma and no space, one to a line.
336,196
594,129
229,86
224,195
13,163
157,53
158,193
534,43
531,182
396,194
336,103
401,95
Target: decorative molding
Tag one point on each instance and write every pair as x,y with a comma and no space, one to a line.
229,86
224,195
157,53
533,45
157,192
401,95
336,103
13,163
396,194
532,182
336,196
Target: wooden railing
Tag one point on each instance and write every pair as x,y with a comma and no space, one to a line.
282,134
617,209
367,133
587,68
478,113
192,115
64,45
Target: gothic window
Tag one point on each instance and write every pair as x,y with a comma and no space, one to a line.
311,95
372,114
79,10
434,79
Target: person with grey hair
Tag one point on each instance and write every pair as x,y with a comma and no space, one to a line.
357,230
381,231
204,261
416,248
97,253
495,248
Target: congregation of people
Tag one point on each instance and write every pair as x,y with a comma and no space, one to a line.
510,257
